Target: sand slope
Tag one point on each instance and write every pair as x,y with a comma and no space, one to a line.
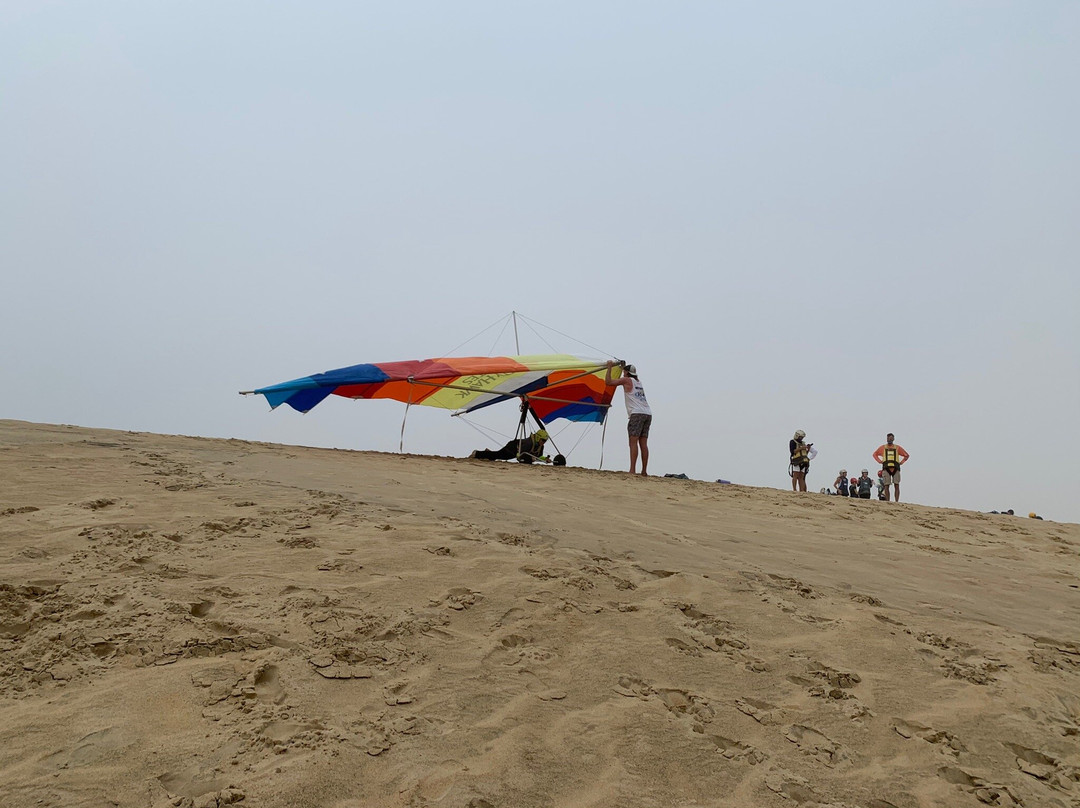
201,622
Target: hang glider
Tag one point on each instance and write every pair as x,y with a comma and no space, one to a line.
552,385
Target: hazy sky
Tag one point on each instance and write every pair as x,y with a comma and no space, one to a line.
844,217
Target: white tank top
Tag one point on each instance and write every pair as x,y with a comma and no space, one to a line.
635,399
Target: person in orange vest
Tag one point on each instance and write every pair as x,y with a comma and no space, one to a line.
891,456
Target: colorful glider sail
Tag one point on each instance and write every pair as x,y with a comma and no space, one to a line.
556,386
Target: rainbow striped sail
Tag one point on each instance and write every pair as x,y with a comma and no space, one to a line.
555,385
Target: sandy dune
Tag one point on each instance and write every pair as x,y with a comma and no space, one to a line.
194,622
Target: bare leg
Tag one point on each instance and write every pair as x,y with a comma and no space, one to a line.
896,487
644,443
798,481
633,454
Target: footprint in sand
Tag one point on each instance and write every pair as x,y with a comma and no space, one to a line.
791,786
936,640
23,509
515,540
989,793
459,599
633,687
283,735
396,693
869,600
696,708
682,647
714,634
514,649
816,744
221,682
798,587
1049,653
1045,767
194,784
161,797
978,672
369,737
836,678
266,682
946,741
91,749
736,750
761,711
329,667
600,570
683,702
835,686
512,615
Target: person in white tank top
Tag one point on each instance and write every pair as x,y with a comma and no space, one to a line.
638,411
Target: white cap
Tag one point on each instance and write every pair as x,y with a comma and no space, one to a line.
799,434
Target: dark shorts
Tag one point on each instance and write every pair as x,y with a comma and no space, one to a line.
638,425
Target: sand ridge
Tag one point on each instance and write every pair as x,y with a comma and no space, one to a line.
195,622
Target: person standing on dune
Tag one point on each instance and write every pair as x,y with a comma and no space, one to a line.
891,456
638,411
801,454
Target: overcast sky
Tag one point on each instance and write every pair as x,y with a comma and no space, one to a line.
845,217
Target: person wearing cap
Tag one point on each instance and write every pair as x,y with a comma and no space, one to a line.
639,414
841,483
801,455
525,449
866,484
891,456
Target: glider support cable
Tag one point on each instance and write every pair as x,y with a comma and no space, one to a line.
603,434
401,442
512,318
561,334
502,320
490,434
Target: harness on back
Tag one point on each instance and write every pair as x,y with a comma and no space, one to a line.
891,460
